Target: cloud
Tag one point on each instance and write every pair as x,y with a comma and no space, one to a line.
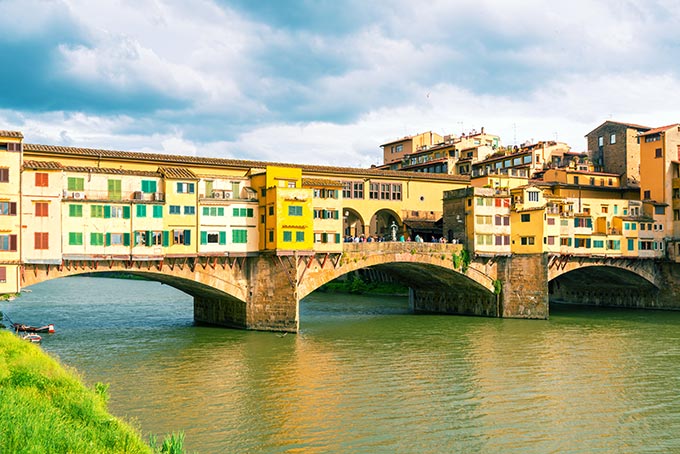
328,82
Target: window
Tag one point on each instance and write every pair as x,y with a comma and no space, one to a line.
645,245
271,210
583,223
239,236
483,240
527,240
114,239
575,179
181,237
141,237
271,236
75,211
551,221
294,210
113,211
526,217
291,184
158,211
149,186
551,240
96,239
3,274
41,208
248,212
605,209
565,242
287,236
299,237
598,243
483,219
614,245
8,243
582,243
631,244
600,141
213,237
75,238
188,209
659,210
612,139
374,191
114,189
4,175
647,195
96,211
533,196
175,209
42,240
502,240
658,153
42,179
75,184
185,188
141,211
8,208
347,189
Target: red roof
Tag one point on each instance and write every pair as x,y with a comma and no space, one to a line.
658,130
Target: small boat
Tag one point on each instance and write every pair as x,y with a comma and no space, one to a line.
34,329
32,337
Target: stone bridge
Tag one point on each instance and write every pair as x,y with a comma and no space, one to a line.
262,291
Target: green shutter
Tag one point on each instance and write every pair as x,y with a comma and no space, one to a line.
108,239
107,211
223,237
187,237
114,189
204,237
249,212
166,238
235,212
206,211
337,237
220,211
149,238
126,239
126,212
158,211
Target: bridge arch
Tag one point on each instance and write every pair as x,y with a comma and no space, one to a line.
617,283
352,222
438,283
382,220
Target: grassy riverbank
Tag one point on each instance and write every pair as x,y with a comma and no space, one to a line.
46,408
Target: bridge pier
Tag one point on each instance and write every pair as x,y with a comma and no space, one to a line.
524,286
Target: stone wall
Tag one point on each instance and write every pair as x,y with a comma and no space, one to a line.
524,280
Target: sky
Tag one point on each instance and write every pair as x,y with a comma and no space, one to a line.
328,81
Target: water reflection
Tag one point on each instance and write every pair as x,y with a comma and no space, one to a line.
364,375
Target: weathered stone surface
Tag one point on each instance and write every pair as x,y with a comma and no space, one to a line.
524,281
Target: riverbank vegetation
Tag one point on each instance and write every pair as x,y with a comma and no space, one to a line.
357,286
46,408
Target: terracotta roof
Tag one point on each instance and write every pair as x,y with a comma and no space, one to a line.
629,125
12,134
110,171
321,182
177,173
47,165
236,163
658,130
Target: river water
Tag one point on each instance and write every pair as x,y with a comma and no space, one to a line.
365,376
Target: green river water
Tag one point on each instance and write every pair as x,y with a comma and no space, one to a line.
365,376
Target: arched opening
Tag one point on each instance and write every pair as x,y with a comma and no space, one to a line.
352,223
605,286
382,221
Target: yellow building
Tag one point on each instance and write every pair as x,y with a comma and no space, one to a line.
287,209
11,159
41,212
181,202
328,216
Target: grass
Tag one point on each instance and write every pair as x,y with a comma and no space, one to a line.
46,408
